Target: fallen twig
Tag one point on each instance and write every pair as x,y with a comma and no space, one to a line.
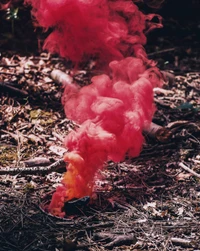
101,225
8,65
16,136
7,86
39,161
177,124
161,51
181,242
115,239
163,91
59,137
186,168
32,170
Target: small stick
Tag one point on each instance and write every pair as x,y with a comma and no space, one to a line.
13,89
186,168
8,66
38,161
161,51
181,242
32,170
59,137
116,240
101,225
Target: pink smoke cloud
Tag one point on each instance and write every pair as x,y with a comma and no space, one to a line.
107,29
115,108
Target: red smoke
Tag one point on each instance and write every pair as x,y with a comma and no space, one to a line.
102,28
115,108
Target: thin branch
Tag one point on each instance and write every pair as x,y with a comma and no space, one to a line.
186,168
8,66
13,89
116,240
161,51
33,170
181,242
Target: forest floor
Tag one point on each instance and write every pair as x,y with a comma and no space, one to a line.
147,203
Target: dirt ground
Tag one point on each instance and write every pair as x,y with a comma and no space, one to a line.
147,203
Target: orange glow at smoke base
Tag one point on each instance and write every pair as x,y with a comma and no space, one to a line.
73,185
114,108
77,186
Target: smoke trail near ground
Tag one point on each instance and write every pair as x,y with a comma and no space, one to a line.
115,108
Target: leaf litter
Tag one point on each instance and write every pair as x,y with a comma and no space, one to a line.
147,203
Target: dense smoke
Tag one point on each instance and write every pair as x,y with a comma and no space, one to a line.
115,108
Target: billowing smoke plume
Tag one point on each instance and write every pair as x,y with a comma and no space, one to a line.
107,29
115,108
